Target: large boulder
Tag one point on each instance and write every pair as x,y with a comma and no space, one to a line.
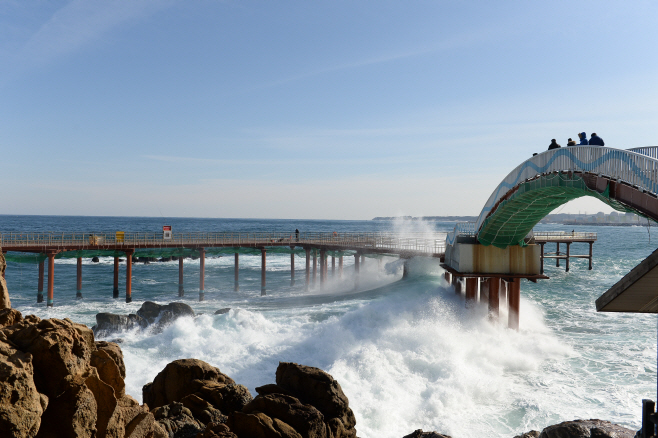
107,323
178,421
163,315
420,434
586,429
5,303
305,419
260,425
108,360
9,317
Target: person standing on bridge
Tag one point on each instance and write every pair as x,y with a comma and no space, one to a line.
583,139
570,142
297,234
553,145
595,140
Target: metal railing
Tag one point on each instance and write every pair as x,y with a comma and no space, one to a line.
636,169
650,151
466,229
409,242
563,235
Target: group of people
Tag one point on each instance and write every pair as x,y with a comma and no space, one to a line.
594,140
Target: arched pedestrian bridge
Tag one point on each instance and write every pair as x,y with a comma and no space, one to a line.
626,180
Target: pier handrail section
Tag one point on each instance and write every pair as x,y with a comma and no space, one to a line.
420,243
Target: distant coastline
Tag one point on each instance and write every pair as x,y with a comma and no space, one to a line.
428,218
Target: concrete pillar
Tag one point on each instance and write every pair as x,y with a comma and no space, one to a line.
308,268
591,244
181,289
40,284
557,253
263,265
357,268
315,265
568,245
202,274
494,288
51,279
514,294
340,267
446,275
333,265
471,291
541,259
78,290
484,289
323,267
292,268
503,291
115,290
363,260
405,269
236,272
129,275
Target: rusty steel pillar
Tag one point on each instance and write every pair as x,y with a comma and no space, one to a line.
340,267
456,284
557,253
308,268
514,296
471,292
591,244
115,290
51,278
236,272
78,291
568,244
541,259
323,267
315,265
40,284
263,263
446,275
494,302
129,275
292,268
181,289
202,274
333,265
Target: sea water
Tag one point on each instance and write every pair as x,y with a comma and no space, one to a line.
407,353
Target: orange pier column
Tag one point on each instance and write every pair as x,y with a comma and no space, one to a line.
236,272
129,275
263,262
181,289
471,292
494,288
78,291
51,278
115,291
202,274
40,284
514,297
308,268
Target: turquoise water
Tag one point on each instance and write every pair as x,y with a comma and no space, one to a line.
407,353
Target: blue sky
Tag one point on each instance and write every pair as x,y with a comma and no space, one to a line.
336,110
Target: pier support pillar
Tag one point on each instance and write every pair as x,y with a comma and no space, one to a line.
363,261
115,290
494,302
568,244
591,244
514,299
129,275
308,268
405,269
181,289
292,268
340,267
236,272
323,267
40,284
357,269
446,275
484,289
333,266
471,292
78,291
503,291
263,262
541,259
51,278
202,274
315,265
557,253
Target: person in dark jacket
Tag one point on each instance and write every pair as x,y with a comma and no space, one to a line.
570,142
583,139
553,145
595,140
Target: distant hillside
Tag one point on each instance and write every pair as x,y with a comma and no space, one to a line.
428,218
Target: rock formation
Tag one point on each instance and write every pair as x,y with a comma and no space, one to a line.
5,303
149,314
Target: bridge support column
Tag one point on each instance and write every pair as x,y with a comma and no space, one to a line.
471,292
333,265
202,274
494,302
315,265
78,291
308,268
557,253
263,263
484,289
340,267
181,289
129,275
357,269
292,268
40,284
568,244
115,290
323,267
51,279
236,272
514,297
446,275
405,269
590,255
503,291
363,261
541,259
457,284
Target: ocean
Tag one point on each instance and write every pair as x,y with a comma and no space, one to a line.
407,353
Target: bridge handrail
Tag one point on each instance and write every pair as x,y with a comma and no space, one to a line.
634,168
650,151
565,234
461,229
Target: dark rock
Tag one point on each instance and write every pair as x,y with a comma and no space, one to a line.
94,260
203,410
222,311
107,323
420,434
153,312
586,429
108,361
10,317
216,430
271,388
72,412
225,397
260,425
531,434
305,419
5,303
177,421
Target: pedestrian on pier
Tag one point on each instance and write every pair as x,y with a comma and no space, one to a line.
570,142
595,140
297,234
553,145
583,139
